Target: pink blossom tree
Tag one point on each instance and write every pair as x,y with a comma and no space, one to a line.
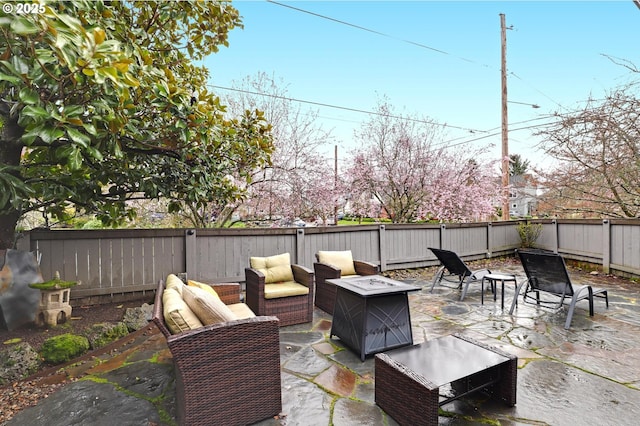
464,190
405,170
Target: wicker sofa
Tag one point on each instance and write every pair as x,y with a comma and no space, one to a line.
226,373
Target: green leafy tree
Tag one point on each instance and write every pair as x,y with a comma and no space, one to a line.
517,165
101,103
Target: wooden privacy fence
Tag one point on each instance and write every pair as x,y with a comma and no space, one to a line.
113,262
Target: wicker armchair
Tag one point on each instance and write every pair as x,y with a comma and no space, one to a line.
226,373
330,265
286,293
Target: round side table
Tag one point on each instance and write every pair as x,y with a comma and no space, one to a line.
493,279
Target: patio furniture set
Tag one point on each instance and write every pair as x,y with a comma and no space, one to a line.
546,275
229,355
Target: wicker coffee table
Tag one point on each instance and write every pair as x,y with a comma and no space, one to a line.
371,314
412,382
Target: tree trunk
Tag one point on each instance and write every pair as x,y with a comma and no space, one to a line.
8,224
10,153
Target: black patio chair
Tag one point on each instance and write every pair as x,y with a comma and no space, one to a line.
454,270
547,273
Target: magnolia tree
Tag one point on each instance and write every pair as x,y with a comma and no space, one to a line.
299,181
402,172
97,108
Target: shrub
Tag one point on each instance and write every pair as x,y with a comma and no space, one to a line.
59,349
529,233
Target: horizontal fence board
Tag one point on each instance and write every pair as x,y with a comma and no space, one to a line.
581,238
120,261
363,241
625,247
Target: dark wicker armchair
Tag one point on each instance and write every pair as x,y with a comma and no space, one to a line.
276,287
226,373
330,265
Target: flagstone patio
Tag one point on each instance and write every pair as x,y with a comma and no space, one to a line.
587,375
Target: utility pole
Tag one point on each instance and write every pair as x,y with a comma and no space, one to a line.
335,185
505,133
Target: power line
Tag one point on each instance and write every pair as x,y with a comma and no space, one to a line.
447,143
520,78
434,123
410,42
424,46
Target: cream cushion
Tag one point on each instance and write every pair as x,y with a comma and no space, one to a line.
205,287
208,308
174,282
285,289
177,315
276,269
342,260
241,310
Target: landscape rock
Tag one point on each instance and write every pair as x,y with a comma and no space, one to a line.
17,361
18,301
102,334
137,318
89,403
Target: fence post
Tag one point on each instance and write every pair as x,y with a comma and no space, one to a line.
382,248
443,227
489,239
190,255
556,242
606,246
299,247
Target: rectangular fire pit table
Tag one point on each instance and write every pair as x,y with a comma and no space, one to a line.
371,314
411,383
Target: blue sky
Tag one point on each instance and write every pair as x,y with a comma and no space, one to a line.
554,59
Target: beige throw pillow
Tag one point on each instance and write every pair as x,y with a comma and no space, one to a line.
205,287
177,314
208,308
276,269
342,260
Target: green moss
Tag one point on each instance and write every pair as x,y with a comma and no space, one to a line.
58,349
54,284
107,335
96,379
